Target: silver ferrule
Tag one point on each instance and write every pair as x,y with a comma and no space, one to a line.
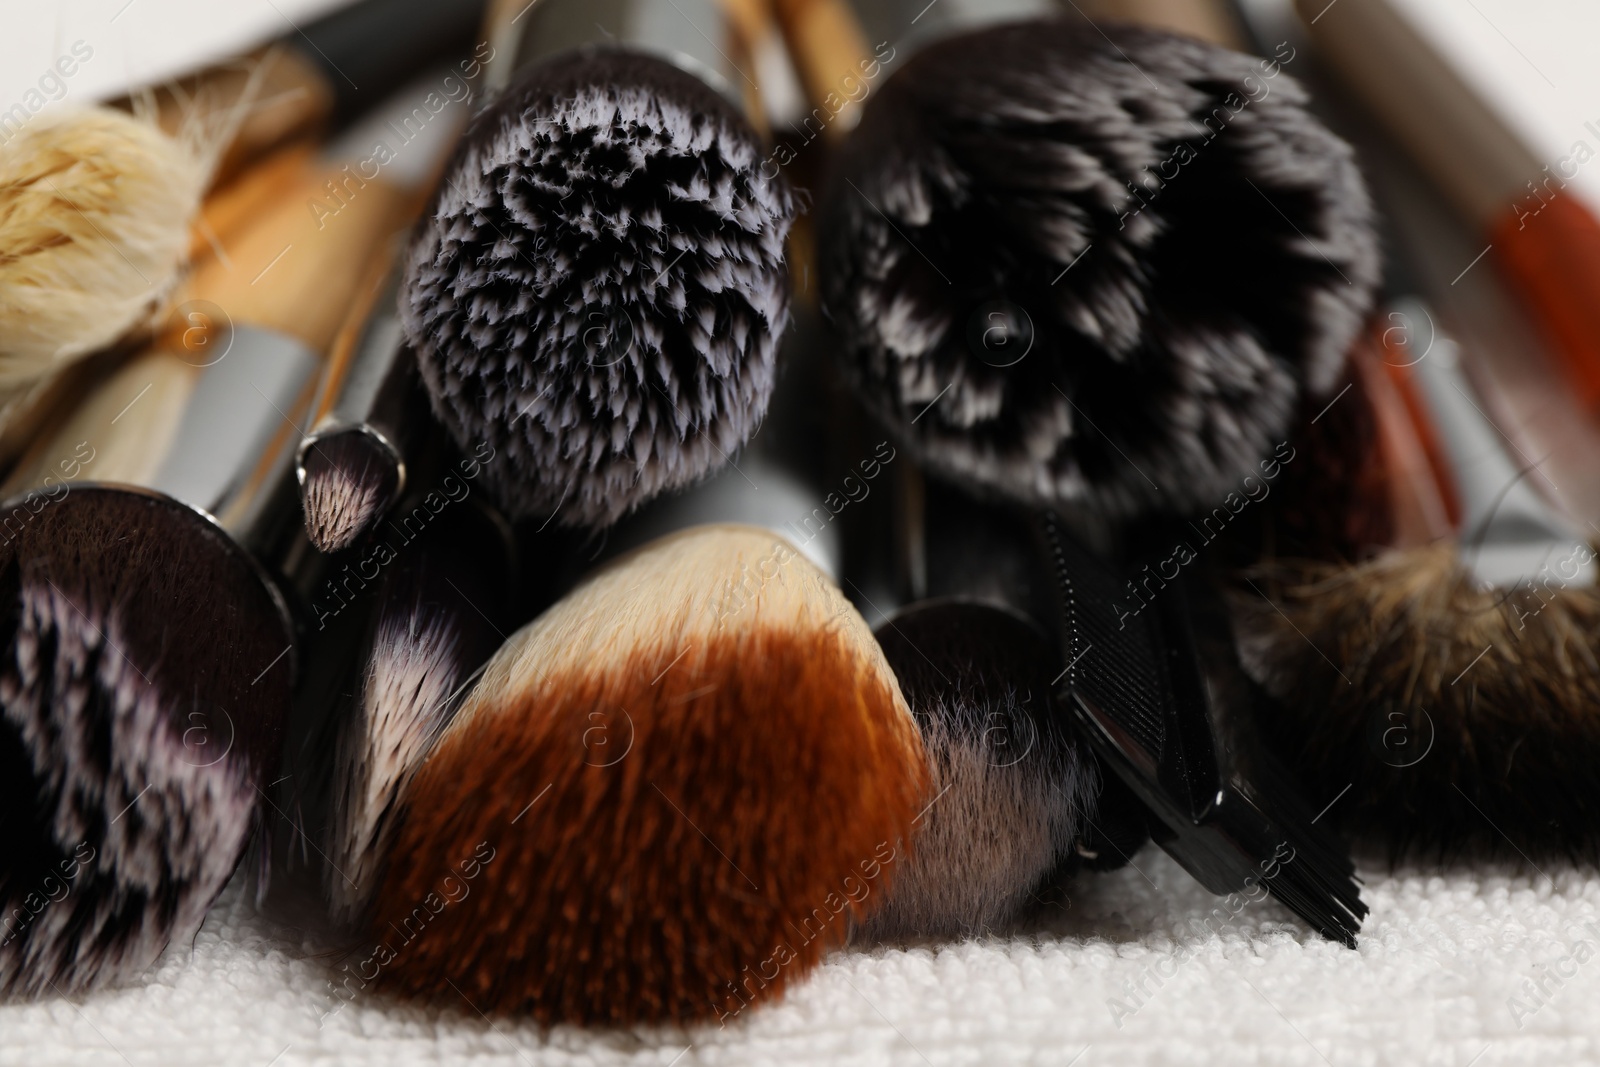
690,34
913,24
1509,534
365,387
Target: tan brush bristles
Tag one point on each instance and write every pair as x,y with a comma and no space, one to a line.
95,207
666,798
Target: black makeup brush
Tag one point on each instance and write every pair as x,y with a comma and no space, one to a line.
438,620
145,676
1015,800
1009,790
352,465
600,287
1093,268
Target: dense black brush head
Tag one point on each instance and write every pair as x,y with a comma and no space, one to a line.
1011,790
1094,268
600,286
143,691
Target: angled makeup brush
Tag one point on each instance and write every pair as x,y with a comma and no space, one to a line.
686,771
600,287
1160,695
1060,283
1459,678
149,649
435,626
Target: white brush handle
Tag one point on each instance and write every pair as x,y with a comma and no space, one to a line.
1509,534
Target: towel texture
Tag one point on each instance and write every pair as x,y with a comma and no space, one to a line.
1483,967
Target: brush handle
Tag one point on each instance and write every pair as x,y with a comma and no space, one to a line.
328,70
830,54
1510,535
369,376
212,413
1211,21
690,34
1541,234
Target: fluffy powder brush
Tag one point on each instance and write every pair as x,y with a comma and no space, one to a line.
601,284
1094,268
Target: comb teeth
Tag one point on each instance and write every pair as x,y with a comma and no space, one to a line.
1225,811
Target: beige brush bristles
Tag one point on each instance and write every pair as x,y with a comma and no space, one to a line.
665,799
96,206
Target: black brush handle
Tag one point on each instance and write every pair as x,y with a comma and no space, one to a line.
369,49
1152,682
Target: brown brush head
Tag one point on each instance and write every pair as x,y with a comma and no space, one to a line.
1465,718
350,481
143,691
675,789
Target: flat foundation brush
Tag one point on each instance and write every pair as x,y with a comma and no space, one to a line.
601,285
146,670
1092,267
673,784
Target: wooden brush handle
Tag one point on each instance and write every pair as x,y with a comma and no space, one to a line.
1552,260
1421,494
300,263
1204,20
829,49
232,207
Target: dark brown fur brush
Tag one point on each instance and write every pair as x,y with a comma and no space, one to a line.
1451,687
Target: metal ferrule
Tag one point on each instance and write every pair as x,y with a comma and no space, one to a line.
366,386
912,24
690,34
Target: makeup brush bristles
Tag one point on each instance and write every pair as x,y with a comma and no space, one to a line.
1058,280
350,482
600,287
95,206
1010,791
132,740
1465,717
667,784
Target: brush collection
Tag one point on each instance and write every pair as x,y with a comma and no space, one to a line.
691,501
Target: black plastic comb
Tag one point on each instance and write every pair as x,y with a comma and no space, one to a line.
1156,688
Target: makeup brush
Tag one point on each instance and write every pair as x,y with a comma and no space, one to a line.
1093,268
600,287
435,626
325,73
1014,794
1455,696
352,465
95,207
149,650
1459,117
677,785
